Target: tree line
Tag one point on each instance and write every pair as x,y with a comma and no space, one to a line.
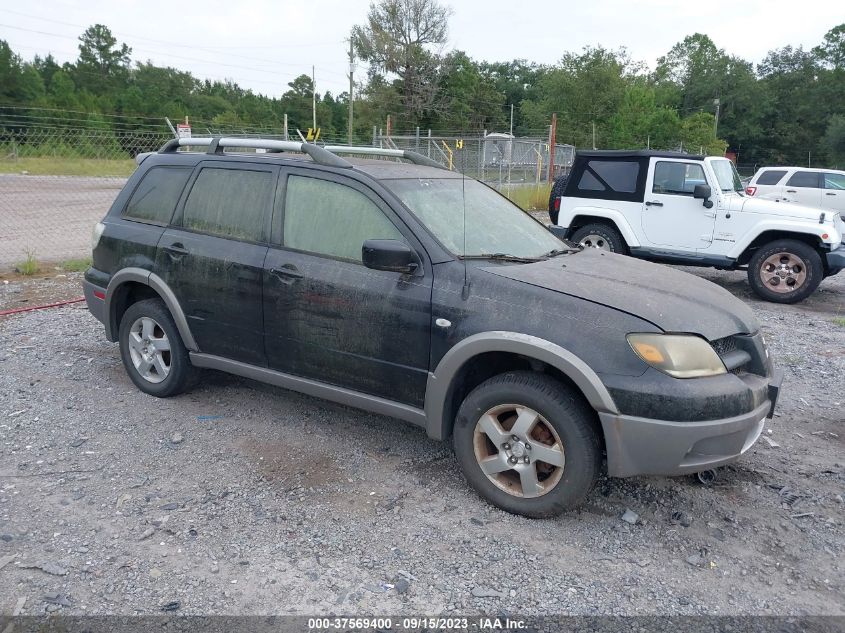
787,108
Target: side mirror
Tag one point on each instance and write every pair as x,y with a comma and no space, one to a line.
703,192
390,255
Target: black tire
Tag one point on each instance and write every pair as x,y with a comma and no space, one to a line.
610,239
556,192
561,408
181,373
802,263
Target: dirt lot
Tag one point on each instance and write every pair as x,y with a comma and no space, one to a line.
244,499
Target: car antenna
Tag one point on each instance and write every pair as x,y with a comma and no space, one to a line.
465,289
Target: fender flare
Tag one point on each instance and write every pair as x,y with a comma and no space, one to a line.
617,217
440,382
782,226
142,276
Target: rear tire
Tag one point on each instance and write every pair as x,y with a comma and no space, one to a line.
528,444
152,350
601,236
785,271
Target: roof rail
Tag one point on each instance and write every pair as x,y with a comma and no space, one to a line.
414,157
216,145
322,155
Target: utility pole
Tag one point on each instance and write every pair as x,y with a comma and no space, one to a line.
286,126
716,103
594,135
511,119
552,141
351,86
313,100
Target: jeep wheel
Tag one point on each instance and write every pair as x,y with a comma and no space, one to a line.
785,271
599,236
528,444
152,350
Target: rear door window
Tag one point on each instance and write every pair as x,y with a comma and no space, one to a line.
805,179
155,197
230,203
834,181
771,176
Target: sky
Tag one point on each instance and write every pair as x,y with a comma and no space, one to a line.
264,44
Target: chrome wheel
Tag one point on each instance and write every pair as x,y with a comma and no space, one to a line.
594,241
149,349
518,450
783,272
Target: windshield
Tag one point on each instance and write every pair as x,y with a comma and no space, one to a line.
727,175
494,225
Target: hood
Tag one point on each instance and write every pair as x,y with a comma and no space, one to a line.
672,300
769,206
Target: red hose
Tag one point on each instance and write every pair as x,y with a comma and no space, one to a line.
49,305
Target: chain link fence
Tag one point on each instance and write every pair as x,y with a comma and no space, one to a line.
58,177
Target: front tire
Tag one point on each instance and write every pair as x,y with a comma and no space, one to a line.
528,444
785,271
600,236
152,350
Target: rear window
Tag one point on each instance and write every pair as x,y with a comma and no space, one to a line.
229,203
606,175
804,179
771,177
155,198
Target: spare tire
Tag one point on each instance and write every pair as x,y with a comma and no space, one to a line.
557,191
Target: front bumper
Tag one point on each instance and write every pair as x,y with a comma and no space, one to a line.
646,446
836,259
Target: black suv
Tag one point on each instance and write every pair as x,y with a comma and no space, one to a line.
408,290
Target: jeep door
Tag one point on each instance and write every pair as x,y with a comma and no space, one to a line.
212,256
671,217
328,317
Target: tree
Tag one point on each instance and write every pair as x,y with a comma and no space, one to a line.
832,49
834,138
396,40
102,64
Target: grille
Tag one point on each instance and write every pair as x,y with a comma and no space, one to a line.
724,345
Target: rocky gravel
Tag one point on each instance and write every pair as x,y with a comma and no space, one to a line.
239,498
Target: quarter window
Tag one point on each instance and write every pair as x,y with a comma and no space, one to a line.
613,175
327,218
678,179
834,181
229,203
155,198
804,179
771,177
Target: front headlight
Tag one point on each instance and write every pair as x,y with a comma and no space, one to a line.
679,355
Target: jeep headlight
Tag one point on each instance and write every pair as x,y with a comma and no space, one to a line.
679,355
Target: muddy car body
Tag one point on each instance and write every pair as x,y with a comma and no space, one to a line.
384,286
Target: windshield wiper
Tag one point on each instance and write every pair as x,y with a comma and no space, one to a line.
562,251
505,257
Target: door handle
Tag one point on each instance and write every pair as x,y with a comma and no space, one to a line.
830,193
791,191
653,203
287,273
176,251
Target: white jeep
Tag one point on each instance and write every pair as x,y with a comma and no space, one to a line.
683,209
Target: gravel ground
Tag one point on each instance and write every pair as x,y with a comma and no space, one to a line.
239,498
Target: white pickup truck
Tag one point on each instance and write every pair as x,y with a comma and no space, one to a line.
683,209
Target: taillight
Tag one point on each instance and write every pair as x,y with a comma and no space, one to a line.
97,234
557,204
751,190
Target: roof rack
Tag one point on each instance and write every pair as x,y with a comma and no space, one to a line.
321,155
409,155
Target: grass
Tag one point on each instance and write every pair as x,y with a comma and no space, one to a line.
29,266
57,166
75,265
530,197
840,321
